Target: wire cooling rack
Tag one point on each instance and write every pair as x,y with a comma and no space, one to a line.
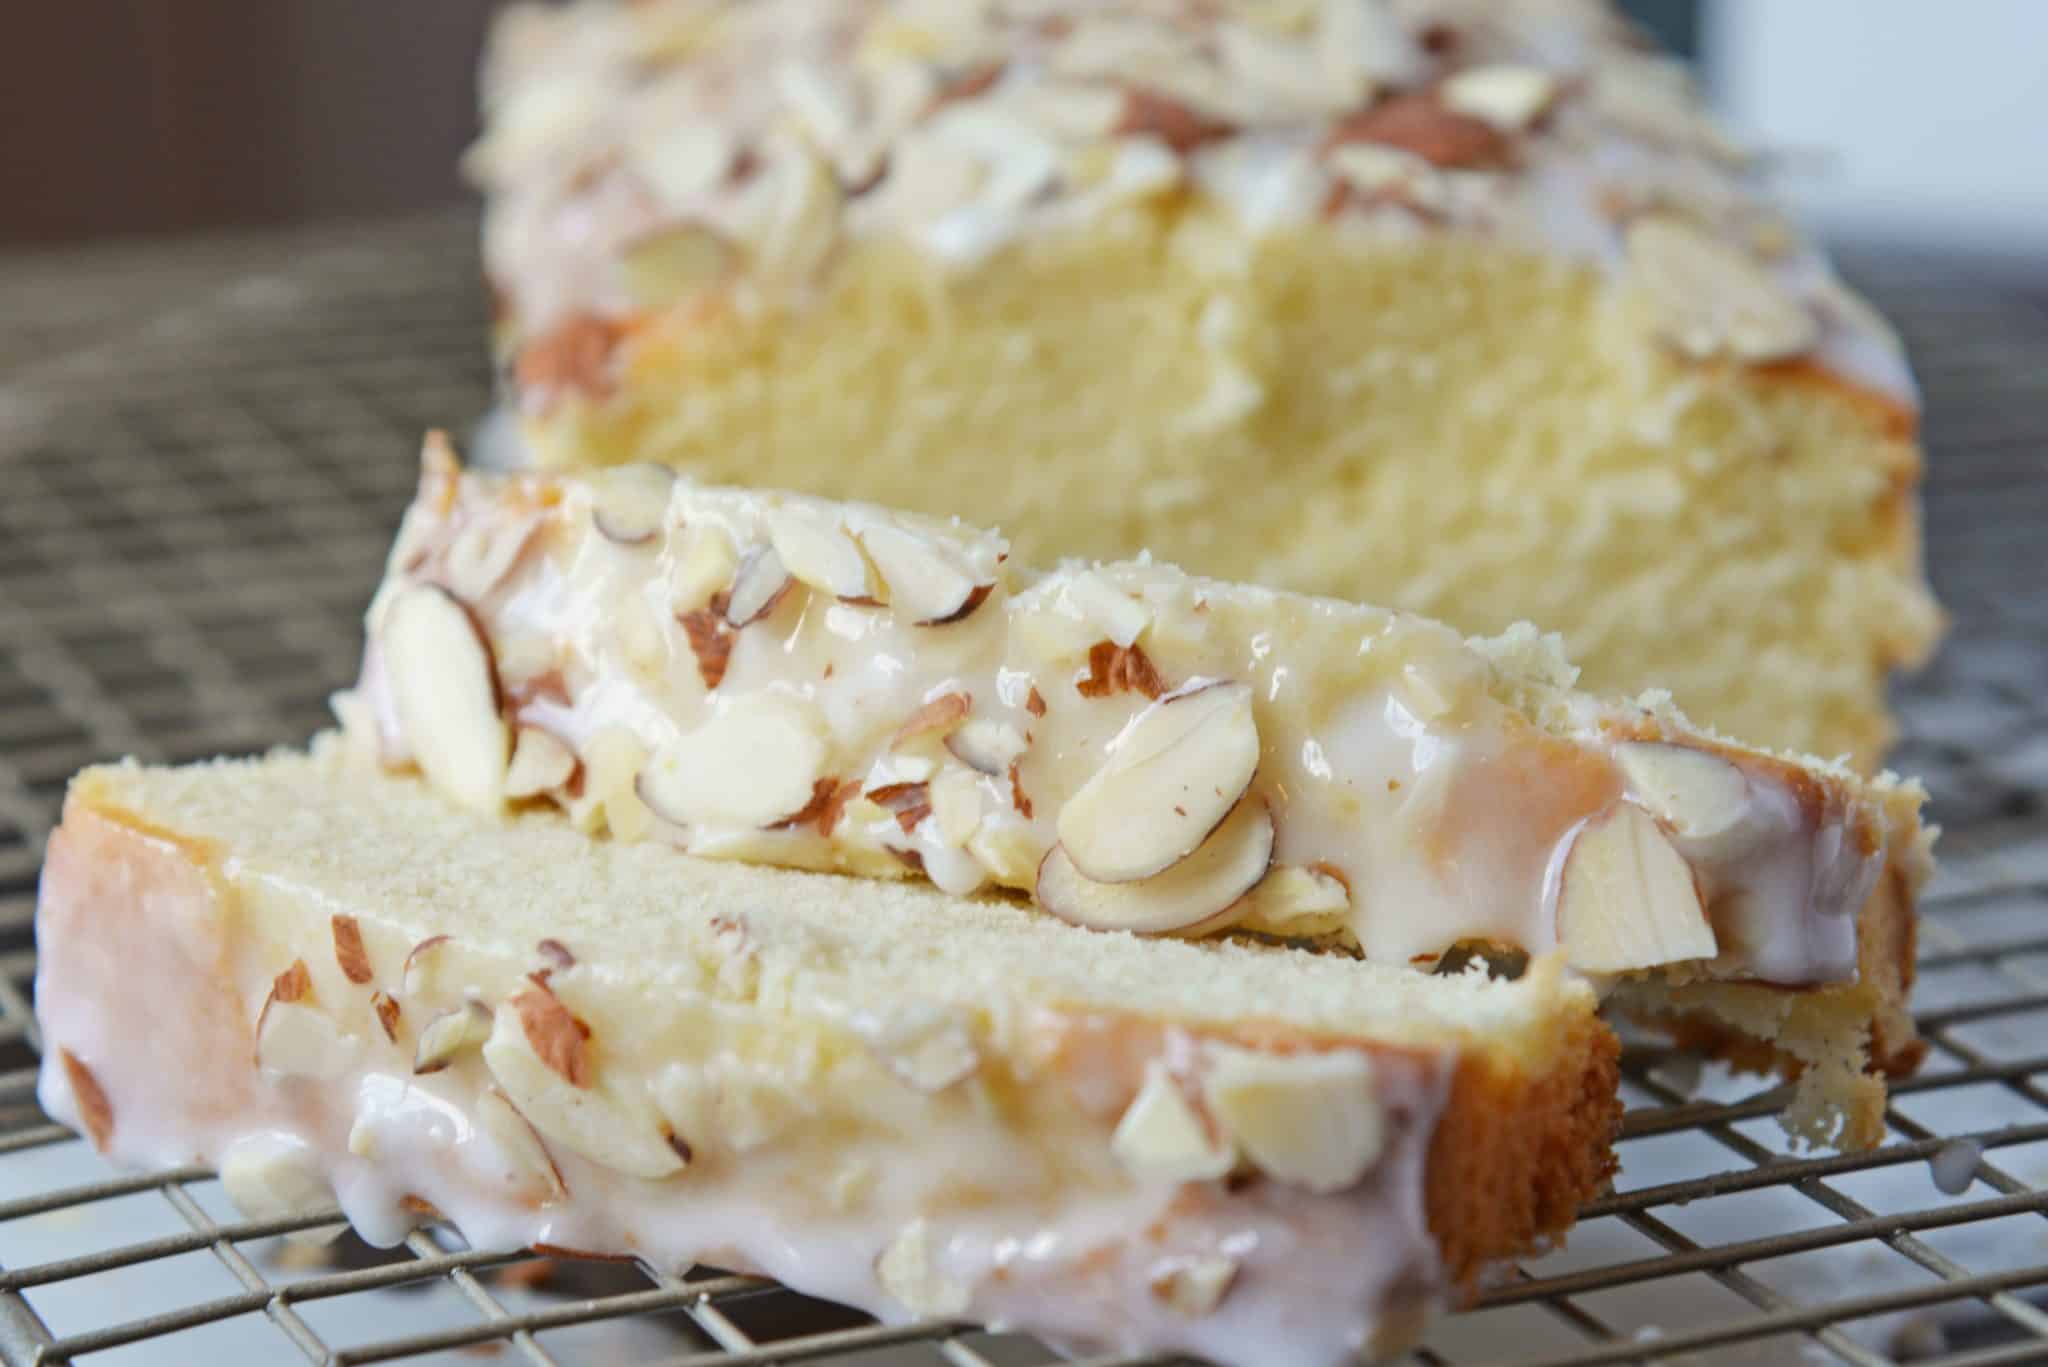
203,451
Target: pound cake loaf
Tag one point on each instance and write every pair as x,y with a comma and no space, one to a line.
777,679
1463,307
332,983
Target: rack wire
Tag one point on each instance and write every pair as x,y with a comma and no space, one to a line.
203,449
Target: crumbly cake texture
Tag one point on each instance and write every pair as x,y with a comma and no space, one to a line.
921,1105
777,679
1462,307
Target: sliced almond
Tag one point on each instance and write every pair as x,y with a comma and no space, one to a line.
517,1143
987,747
445,689
937,716
552,1034
388,1011
1510,97
667,267
579,1116
711,641
451,1034
1711,298
1203,893
1313,1120
908,1270
754,763
1193,1286
1176,770
424,964
822,554
484,552
705,568
629,503
274,1176
294,1039
1627,899
1297,900
955,796
95,1112
758,584
929,584
1121,618
1114,669
541,763
1420,124
1697,794
929,1047
349,954
1162,1136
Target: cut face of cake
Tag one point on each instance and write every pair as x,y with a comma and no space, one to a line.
777,679
332,983
1463,308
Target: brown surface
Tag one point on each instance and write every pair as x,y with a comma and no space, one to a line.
1516,1154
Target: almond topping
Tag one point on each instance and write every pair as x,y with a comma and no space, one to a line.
755,763
1201,894
1310,1119
95,1112
908,1271
987,747
1421,125
1161,1135
387,1009
420,964
573,359
929,584
911,802
556,953
821,554
710,637
1193,1286
554,1034
1034,702
629,503
940,715
1114,669
1175,771
928,1047
483,553
1627,899
1509,97
1709,297
497,1117
758,585
445,689
1697,794
541,763
829,797
621,1133
444,1038
349,952
1147,114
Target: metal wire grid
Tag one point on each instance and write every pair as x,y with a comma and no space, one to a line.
202,453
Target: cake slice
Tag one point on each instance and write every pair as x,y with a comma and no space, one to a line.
781,680
1464,308
333,983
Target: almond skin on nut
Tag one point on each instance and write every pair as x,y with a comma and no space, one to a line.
95,1112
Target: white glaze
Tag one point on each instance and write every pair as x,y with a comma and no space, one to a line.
1386,759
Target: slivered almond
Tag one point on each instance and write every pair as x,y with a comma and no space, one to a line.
421,963
928,1047
1176,770
908,1270
444,686
829,797
300,1041
554,1034
629,503
1201,894
1114,669
1627,899
935,717
1193,1286
541,763
910,802
95,1112
758,584
929,584
755,763
1508,96
349,954
1121,617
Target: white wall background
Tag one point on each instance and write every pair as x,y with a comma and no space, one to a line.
1921,119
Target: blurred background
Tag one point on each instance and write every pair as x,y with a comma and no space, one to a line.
1895,120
